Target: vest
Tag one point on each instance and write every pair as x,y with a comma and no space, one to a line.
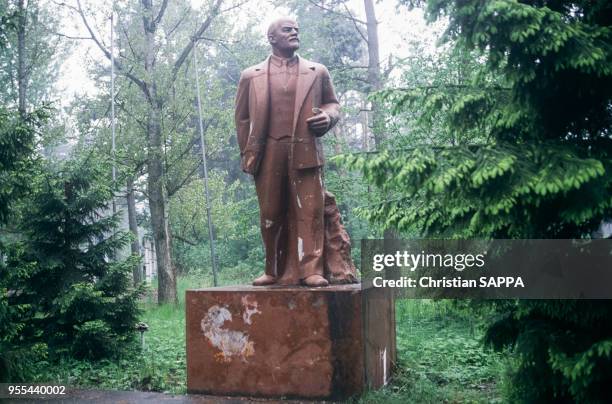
282,74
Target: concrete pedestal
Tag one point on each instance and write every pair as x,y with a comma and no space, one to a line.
289,341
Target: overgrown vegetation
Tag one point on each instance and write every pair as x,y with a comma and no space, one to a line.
160,366
79,295
68,293
529,157
439,344
503,131
17,137
441,358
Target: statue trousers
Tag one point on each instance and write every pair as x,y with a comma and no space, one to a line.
291,206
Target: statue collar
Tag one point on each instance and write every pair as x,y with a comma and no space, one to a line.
279,62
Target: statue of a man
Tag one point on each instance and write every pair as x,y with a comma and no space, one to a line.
283,106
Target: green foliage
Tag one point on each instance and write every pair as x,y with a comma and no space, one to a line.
161,366
77,298
7,24
236,225
17,139
529,146
44,51
441,358
519,147
93,339
566,343
17,162
501,190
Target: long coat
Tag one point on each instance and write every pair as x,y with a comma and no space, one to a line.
314,90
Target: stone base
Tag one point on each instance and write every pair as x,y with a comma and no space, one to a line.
289,341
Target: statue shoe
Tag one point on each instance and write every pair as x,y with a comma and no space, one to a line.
315,281
264,280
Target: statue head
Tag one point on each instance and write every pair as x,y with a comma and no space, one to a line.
283,36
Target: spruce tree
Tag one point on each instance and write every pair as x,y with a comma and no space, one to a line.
532,160
80,297
16,163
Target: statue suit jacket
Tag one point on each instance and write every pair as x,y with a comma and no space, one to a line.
314,90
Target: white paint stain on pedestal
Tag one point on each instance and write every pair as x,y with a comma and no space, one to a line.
230,343
250,308
383,359
300,248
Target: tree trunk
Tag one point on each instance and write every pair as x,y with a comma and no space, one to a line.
158,204
22,80
133,224
158,196
147,82
375,84
374,79
365,127
378,127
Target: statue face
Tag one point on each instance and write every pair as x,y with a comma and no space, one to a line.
284,36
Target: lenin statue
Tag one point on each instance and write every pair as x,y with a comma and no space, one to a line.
283,106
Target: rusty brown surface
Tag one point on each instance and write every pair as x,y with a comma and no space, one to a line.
379,334
283,106
283,341
339,266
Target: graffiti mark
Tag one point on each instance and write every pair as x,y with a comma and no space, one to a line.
230,343
250,308
300,248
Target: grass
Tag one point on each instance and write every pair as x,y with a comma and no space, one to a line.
440,357
159,367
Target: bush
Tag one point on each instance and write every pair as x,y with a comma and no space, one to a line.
93,340
79,299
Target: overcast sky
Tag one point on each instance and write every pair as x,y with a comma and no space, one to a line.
396,27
